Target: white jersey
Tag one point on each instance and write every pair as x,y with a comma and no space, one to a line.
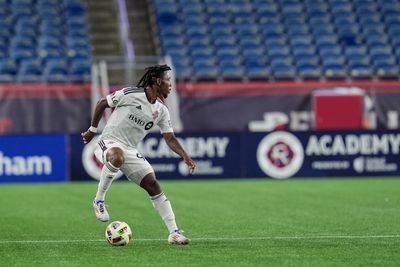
134,116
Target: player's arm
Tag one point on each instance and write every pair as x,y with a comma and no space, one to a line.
174,144
98,113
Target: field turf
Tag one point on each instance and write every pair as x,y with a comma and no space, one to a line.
328,222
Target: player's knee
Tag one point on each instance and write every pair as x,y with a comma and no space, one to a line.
151,185
116,156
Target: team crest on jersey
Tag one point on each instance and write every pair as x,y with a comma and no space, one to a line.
155,114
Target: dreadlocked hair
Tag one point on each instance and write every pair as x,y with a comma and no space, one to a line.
151,74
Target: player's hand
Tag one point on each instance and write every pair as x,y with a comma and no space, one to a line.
87,136
191,165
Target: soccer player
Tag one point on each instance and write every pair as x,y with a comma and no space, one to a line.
137,110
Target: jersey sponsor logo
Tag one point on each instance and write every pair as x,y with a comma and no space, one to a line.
280,155
137,120
148,125
140,122
139,107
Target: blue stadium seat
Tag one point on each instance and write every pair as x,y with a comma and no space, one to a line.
198,40
387,71
199,62
22,42
233,73
8,67
307,61
303,50
298,30
300,40
223,41
207,51
323,29
20,54
7,78
383,60
361,72
227,51
55,74
29,72
380,50
335,72
275,41
310,72
198,19
79,71
283,72
333,34
256,73
206,73
250,40
376,39
328,39
40,31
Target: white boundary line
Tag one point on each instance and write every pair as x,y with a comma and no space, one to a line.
218,238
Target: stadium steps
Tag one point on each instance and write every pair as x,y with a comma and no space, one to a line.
140,27
104,28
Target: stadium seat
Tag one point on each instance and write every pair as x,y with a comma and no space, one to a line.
387,71
29,72
8,67
335,72
232,73
40,31
333,34
79,71
310,72
206,73
256,73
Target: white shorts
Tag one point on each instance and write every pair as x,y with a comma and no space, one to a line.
135,166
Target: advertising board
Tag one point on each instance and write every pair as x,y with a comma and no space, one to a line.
33,158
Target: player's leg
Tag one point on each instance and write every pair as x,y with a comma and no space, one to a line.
114,158
138,170
163,206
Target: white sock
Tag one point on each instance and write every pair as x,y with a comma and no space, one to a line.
107,175
163,206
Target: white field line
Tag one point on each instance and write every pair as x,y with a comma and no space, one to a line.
217,238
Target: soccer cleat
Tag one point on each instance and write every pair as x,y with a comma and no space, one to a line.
177,238
100,210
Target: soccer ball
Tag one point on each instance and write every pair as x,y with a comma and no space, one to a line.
118,233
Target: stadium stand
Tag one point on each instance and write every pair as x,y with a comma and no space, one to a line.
280,39
44,41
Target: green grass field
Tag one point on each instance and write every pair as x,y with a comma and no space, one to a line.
330,222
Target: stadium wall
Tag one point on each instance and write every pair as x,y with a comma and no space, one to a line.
65,108
278,155
44,108
234,106
216,119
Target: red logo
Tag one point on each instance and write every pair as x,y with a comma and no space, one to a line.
155,114
280,154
